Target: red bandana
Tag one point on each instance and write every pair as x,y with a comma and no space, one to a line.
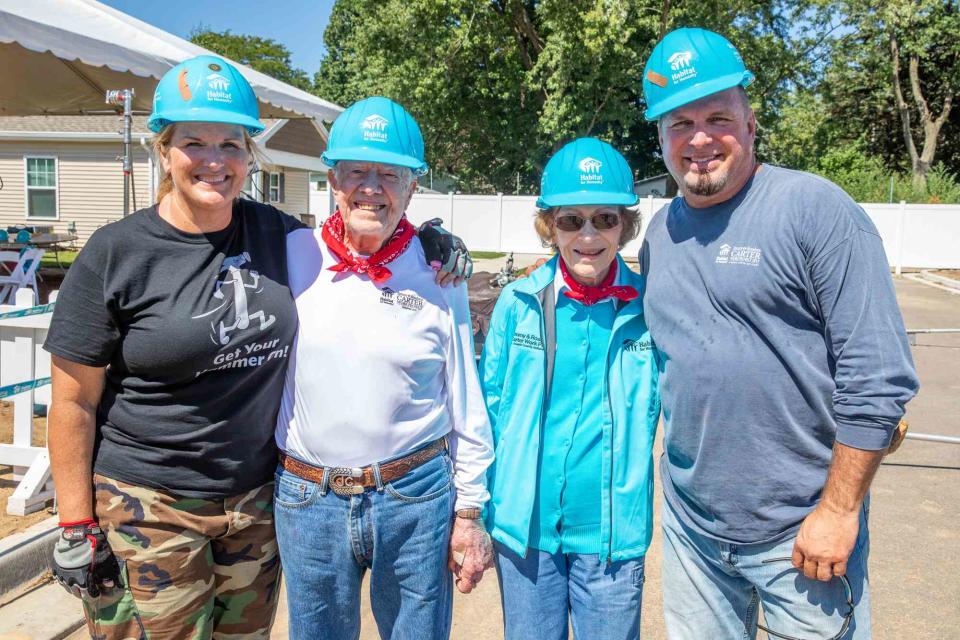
373,266
591,295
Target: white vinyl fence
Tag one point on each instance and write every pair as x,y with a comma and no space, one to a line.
925,236
25,381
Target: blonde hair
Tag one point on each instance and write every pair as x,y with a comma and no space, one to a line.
544,225
161,145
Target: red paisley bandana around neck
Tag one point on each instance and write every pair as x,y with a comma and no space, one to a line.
588,295
374,266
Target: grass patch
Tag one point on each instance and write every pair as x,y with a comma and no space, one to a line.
486,255
49,259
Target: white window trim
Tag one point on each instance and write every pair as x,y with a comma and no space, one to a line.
26,187
270,197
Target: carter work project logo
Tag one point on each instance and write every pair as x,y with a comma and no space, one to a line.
218,88
410,302
375,128
749,256
590,171
682,69
527,341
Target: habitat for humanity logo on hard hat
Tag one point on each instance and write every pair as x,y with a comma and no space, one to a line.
682,69
375,128
218,86
590,171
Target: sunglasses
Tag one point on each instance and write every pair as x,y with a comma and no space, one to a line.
600,222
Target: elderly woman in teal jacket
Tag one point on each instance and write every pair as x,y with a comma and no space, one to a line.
569,374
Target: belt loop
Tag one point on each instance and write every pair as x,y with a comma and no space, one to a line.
376,476
325,482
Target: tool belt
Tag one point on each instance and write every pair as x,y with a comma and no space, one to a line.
348,481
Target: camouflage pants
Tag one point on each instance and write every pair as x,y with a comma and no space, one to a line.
193,568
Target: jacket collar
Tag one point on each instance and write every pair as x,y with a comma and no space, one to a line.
541,278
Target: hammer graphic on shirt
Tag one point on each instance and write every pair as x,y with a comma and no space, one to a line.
242,316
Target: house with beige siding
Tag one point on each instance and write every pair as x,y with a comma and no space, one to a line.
64,171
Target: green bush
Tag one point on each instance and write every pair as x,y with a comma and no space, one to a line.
866,179
942,187
861,176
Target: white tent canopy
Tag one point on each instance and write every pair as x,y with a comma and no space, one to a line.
60,56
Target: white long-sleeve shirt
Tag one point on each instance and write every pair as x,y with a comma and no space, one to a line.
381,370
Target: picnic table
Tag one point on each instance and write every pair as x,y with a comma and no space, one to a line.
55,242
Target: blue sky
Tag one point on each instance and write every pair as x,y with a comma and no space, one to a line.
297,24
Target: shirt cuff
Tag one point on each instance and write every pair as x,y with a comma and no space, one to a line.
868,436
469,502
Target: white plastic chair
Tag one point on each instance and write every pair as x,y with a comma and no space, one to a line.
7,258
23,275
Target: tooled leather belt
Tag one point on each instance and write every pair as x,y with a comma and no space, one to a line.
348,481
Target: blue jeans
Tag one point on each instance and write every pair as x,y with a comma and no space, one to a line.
713,589
539,592
400,531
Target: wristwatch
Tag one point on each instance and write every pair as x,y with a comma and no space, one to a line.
471,513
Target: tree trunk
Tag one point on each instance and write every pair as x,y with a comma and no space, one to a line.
921,162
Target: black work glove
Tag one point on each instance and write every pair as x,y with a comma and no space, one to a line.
83,561
443,250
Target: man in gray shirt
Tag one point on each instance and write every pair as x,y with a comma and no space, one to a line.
785,366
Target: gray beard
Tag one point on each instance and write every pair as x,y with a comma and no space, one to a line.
707,184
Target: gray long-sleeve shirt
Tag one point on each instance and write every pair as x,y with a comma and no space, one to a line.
779,331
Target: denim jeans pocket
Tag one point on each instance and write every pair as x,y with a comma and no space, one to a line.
430,480
292,491
639,574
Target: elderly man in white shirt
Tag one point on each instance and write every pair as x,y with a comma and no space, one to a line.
383,431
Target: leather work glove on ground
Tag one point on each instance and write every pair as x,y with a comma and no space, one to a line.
443,250
83,561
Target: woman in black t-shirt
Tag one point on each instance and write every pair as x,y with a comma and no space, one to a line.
169,345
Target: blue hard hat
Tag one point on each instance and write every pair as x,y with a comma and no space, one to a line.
376,129
689,64
205,89
586,171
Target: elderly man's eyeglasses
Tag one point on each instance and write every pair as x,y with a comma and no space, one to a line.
600,221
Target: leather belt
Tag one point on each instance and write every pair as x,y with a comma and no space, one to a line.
348,481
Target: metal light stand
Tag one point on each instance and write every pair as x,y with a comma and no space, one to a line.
123,98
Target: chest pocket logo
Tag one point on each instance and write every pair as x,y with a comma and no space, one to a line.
528,341
644,344
729,254
408,301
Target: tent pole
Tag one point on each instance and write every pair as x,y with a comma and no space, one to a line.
124,98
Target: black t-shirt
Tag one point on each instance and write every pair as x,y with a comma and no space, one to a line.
195,331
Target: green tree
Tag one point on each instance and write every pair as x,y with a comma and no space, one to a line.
893,75
263,54
801,132
498,85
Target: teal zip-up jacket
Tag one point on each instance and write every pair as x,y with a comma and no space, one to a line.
513,371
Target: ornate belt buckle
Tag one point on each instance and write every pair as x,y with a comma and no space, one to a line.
342,481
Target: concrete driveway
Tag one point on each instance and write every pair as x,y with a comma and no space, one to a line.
915,539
